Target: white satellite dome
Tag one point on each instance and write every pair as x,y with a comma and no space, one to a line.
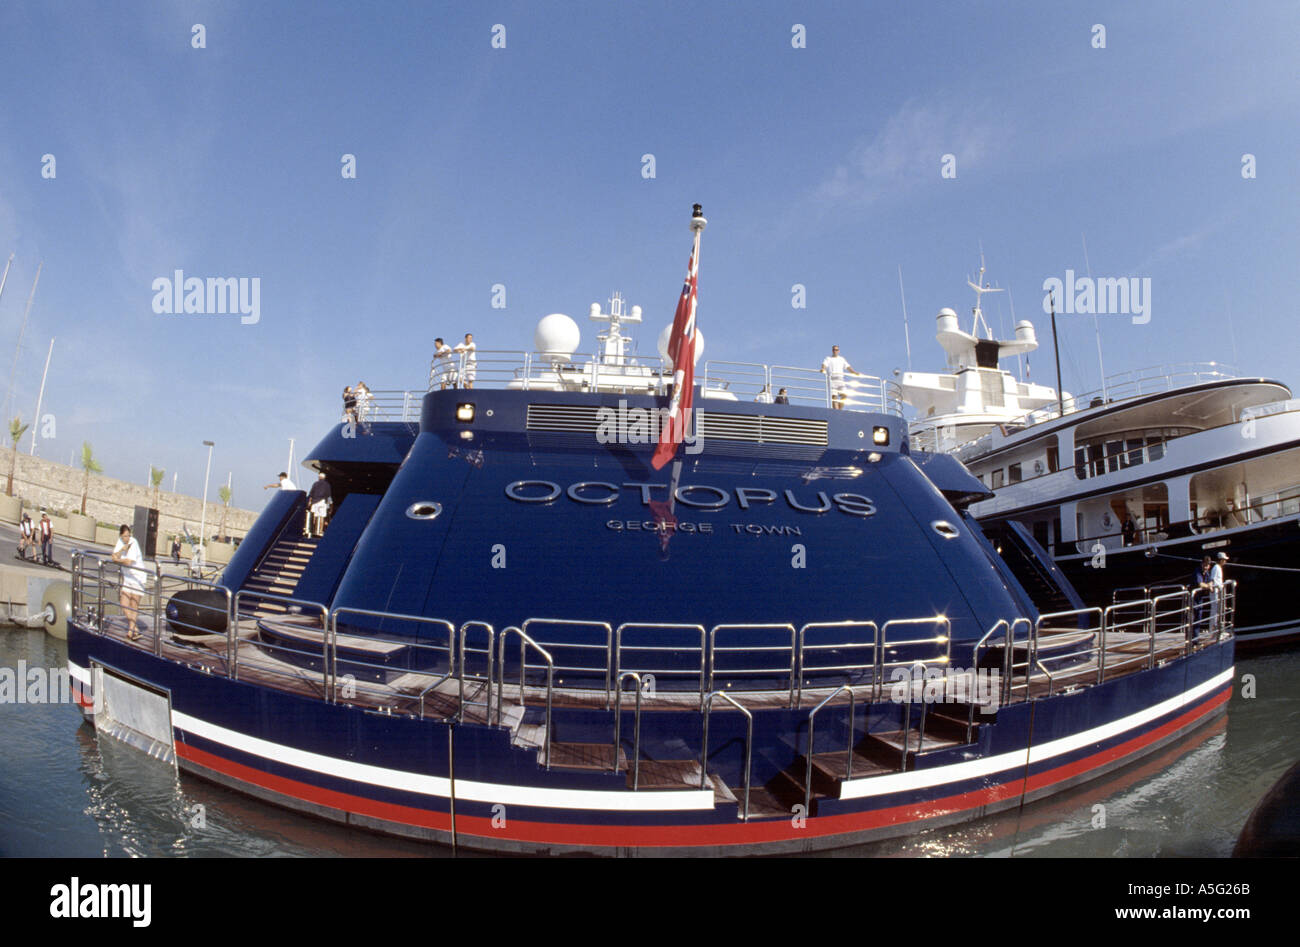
663,345
557,334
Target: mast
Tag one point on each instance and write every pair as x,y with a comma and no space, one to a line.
36,418
906,336
4,279
18,348
1056,348
980,290
1096,326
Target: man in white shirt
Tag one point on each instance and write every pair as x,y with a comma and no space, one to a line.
468,360
127,554
284,483
1216,594
444,372
835,365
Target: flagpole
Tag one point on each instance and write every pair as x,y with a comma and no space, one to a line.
681,352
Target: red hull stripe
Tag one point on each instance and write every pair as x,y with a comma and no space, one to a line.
738,833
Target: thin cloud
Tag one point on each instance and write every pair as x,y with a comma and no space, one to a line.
908,150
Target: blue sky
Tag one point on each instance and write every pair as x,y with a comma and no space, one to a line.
522,166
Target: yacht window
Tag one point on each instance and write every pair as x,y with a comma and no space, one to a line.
1155,450
997,478
1113,450
1080,463
1134,455
1053,459
1013,474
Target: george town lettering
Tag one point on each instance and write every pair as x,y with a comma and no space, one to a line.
696,496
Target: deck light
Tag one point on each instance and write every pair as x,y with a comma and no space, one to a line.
465,412
880,435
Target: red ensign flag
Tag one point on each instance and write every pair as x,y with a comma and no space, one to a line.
681,350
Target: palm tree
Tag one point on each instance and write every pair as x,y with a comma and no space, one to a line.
225,493
16,430
156,475
90,466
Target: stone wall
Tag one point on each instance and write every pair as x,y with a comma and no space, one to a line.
44,483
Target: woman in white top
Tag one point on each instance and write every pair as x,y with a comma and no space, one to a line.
127,554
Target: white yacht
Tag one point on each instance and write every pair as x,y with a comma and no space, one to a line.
1129,486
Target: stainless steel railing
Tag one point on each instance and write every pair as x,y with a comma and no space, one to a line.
525,643
525,370
636,725
812,746
749,745
1079,646
743,670
414,646
531,625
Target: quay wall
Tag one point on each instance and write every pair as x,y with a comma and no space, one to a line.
57,487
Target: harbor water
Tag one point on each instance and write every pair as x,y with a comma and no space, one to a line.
64,791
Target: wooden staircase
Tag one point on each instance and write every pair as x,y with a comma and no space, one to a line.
280,570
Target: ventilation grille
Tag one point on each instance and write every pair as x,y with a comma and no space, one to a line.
753,429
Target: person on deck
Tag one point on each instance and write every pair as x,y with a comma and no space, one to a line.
444,368
1217,610
284,483
467,351
836,365
318,507
127,554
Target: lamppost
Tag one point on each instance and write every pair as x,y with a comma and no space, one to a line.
203,515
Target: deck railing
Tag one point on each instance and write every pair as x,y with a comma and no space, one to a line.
667,662
524,370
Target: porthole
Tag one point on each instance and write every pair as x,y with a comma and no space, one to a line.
424,510
944,529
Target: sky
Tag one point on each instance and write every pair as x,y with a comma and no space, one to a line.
830,144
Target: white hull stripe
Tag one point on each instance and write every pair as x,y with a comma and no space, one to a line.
438,786
1018,759
663,800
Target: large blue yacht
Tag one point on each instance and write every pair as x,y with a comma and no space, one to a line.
516,634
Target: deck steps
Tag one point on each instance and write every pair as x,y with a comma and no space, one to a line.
280,571
591,757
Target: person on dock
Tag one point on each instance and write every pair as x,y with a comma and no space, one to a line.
47,539
176,550
24,536
127,554
836,365
318,507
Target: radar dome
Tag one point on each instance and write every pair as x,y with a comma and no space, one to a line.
1025,332
947,320
557,334
668,334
